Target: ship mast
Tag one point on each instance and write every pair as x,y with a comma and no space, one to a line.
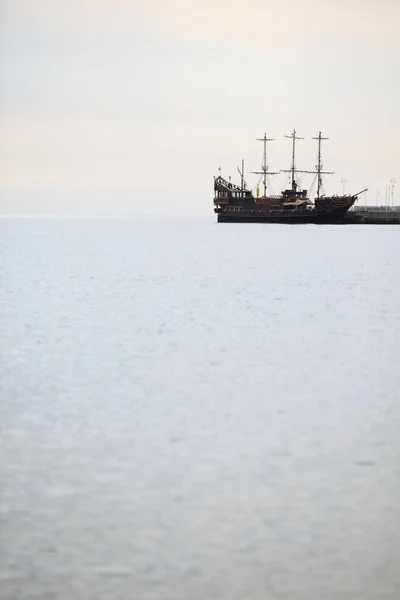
293,170
319,170
264,167
241,173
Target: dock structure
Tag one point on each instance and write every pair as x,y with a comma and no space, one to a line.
373,215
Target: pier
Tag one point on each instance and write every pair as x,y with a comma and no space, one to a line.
373,215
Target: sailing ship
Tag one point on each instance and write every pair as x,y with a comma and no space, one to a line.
237,204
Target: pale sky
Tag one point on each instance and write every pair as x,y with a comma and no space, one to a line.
124,108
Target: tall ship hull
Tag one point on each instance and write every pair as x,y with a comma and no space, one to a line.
237,204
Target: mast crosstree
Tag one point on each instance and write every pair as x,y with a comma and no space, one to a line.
293,169
319,170
264,167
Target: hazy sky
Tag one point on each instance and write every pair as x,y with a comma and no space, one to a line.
121,107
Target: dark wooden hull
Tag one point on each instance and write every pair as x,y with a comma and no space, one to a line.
291,219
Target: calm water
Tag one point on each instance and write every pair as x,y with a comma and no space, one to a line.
199,411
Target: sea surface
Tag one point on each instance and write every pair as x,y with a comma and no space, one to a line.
194,411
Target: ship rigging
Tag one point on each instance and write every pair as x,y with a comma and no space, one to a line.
233,203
